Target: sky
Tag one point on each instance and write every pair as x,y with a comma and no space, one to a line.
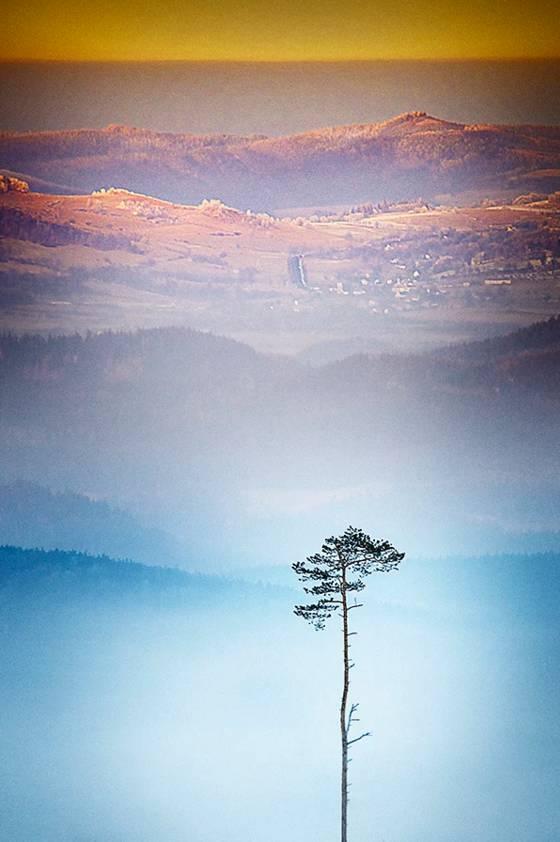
288,30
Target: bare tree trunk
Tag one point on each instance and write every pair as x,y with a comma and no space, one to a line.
343,717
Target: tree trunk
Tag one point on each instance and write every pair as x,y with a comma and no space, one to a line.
343,717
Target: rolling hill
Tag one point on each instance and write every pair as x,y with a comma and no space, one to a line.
236,454
33,516
48,578
412,154
119,259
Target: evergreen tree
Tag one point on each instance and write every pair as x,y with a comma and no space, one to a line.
331,576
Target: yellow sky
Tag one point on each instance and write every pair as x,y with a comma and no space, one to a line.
282,30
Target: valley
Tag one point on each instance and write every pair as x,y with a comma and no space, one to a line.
399,275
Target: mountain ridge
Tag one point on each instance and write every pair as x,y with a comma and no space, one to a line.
411,154
218,445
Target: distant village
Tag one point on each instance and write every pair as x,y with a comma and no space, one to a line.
450,267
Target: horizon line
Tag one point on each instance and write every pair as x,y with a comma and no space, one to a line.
318,128
372,60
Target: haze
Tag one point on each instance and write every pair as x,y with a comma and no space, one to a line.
151,714
273,98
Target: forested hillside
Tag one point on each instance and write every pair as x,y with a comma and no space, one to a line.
54,575
223,449
410,155
34,516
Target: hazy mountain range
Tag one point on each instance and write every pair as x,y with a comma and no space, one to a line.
33,516
411,155
243,458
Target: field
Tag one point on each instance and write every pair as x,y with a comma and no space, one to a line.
402,276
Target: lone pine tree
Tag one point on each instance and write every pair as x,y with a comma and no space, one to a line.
331,576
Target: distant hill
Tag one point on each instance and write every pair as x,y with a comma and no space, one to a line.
238,454
119,220
52,573
34,516
524,361
47,578
116,258
527,359
528,583
174,363
412,154
540,336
